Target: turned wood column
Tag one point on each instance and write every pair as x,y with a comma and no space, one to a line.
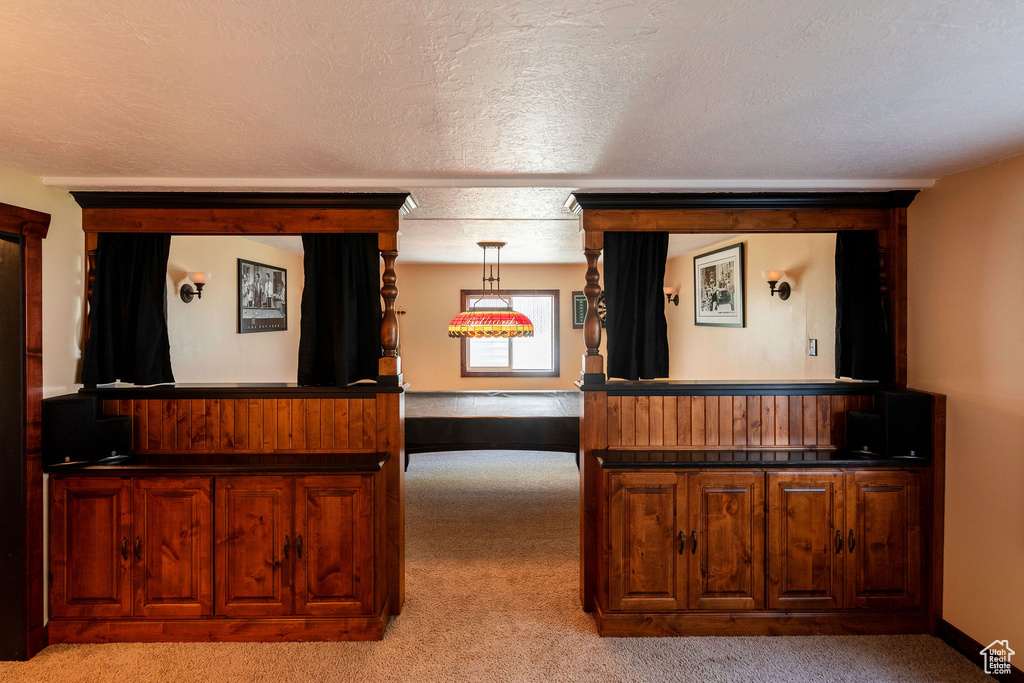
593,362
390,366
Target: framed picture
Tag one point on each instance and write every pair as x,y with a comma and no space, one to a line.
262,297
579,309
718,287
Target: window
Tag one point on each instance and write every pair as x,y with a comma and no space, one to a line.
535,356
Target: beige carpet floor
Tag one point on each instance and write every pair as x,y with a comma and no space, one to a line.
492,580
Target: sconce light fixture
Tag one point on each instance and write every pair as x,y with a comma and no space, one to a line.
773,277
671,295
188,293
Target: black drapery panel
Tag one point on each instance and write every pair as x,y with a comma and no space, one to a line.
339,339
128,319
634,275
863,347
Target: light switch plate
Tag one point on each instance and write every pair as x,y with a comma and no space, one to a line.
812,347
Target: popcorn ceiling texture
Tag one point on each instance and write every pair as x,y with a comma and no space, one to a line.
446,89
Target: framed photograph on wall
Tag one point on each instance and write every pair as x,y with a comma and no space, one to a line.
718,287
262,297
579,309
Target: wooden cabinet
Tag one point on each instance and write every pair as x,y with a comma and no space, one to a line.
254,521
727,533
121,547
806,555
883,540
647,529
220,557
699,549
90,535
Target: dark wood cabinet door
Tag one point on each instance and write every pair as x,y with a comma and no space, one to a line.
173,546
883,540
254,517
727,519
334,548
645,548
90,531
805,540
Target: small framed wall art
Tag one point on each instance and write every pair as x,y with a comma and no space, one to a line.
719,294
579,309
262,297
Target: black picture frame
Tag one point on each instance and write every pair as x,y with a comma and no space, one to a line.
579,310
719,288
260,310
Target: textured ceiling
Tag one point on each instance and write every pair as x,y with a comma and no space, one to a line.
442,93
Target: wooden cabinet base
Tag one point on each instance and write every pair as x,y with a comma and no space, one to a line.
758,623
218,630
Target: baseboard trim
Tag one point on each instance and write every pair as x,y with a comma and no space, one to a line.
758,623
971,649
217,629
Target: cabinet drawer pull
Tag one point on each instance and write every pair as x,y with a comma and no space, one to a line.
124,548
693,542
298,546
138,547
286,546
853,541
839,541
682,541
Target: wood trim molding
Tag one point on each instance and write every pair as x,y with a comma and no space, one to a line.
971,649
744,200
242,200
27,222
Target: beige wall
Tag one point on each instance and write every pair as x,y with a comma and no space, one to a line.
966,340
429,295
773,345
205,344
63,287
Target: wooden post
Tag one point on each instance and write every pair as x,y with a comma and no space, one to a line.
390,366
593,362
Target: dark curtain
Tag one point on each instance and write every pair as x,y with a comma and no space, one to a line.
339,339
634,275
128,319
863,347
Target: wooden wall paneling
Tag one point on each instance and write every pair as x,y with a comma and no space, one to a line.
711,417
642,421
154,426
657,421
796,420
327,423
369,423
268,409
669,421
283,410
896,286
837,406
198,421
697,427
340,423
809,409
684,416
725,425
824,420
169,425
355,424
313,439
240,433
254,418
769,427
739,420
183,425
754,420
614,420
298,431
390,438
628,418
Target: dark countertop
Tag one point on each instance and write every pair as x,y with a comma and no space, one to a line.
655,459
734,387
426,404
239,390
243,463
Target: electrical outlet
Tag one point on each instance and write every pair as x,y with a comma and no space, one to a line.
812,347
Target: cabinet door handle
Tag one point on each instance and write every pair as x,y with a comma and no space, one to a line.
298,546
839,541
693,542
682,541
138,547
124,548
853,541
286,546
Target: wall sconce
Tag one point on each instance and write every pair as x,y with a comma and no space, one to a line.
200,279
671,295
773,277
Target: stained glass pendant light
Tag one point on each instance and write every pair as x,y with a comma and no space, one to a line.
490,316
